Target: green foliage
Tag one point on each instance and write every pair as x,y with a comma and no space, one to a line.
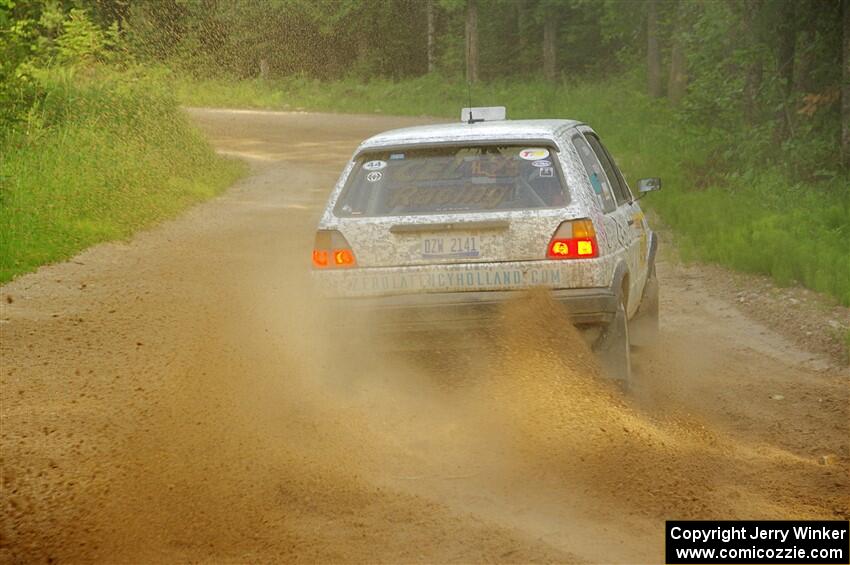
796,234
329,39
325,38
16,39
738,76
109,154
82,41
40,37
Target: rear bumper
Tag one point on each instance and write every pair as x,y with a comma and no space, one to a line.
466,278
472,310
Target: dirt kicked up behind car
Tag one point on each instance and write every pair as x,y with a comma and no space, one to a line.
435,227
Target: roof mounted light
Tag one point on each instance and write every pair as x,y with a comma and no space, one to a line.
483,114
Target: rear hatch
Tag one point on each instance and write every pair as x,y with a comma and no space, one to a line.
452,204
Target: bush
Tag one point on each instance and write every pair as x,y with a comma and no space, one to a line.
105,154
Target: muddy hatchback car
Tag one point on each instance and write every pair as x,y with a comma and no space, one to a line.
438,225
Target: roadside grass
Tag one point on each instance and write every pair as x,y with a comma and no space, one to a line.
739,213
103,155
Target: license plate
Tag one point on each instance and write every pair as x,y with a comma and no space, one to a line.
451,246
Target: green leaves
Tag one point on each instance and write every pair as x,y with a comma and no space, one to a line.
82,41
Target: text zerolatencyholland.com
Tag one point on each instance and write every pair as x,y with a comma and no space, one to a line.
751,541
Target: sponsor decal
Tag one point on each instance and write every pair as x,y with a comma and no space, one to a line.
597,186
546,172
374,165
444,280
374,176
534,153
541,164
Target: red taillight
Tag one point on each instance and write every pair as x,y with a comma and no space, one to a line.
575,239
331,250
343,257
320,258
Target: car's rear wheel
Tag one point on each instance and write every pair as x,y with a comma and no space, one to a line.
613,348
644,326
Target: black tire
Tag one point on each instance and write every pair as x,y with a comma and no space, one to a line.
644,327
614,349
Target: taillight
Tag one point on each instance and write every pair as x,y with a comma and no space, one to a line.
575,239
331,250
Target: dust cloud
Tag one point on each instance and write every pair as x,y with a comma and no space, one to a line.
517,427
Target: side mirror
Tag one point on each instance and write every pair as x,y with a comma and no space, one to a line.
649,185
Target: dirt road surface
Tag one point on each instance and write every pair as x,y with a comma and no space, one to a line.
178,397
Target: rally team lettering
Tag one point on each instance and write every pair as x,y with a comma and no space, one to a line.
414,196
513,278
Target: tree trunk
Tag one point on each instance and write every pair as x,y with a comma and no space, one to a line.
806,62
550,68
845,87
653,52
755,68
752,86
522,18
472,41
432,58
787,46
677,82
785,62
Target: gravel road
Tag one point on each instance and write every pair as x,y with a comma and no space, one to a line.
177,397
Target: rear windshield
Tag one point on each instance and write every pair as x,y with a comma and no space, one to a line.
452,179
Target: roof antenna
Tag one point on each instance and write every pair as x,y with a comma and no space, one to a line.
469,87
469,96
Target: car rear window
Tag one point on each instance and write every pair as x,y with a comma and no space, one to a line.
441,180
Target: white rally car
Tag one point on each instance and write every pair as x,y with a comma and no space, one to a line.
442,223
